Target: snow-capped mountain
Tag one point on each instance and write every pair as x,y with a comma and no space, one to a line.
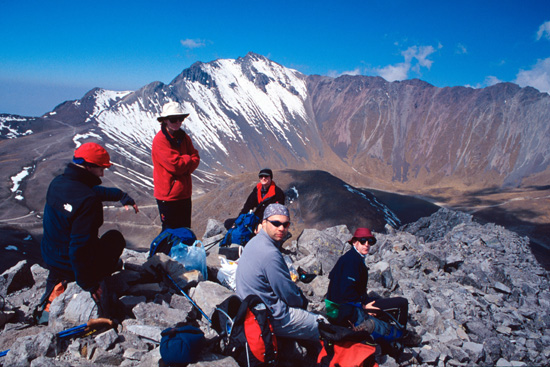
244,114
251,112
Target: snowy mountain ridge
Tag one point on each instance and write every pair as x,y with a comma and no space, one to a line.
251,112
220,116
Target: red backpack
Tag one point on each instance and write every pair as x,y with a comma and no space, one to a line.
343,347
246,331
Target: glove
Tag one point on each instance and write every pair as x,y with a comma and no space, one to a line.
127,200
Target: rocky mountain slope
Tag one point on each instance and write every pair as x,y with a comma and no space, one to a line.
476,296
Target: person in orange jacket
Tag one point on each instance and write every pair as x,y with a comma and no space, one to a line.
263,194
174,160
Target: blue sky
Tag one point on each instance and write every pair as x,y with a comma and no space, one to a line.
52,51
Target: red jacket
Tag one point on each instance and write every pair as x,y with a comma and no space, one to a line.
174,159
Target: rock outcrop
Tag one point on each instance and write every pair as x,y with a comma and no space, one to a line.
476,296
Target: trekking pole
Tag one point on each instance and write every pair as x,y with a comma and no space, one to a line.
213,244
4,353
189,298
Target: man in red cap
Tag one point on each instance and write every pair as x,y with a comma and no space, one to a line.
347,295
71,246
174,160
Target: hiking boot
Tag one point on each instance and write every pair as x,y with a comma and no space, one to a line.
367,325
410,339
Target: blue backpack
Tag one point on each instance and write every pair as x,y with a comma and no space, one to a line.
181,344
170,237
242,231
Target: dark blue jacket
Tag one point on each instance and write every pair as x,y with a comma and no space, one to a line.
348,286
348,279
72,216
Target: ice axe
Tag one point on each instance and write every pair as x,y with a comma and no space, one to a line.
91,327
86,329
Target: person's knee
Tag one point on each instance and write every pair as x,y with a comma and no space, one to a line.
114,239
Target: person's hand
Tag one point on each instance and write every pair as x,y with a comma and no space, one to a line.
370,307
128,201
133,206
96,295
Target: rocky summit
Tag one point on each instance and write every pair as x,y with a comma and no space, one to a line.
476,296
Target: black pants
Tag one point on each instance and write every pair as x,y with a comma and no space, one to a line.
106,255
175,214
398,307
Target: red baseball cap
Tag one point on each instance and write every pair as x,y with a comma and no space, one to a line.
361,233
92,153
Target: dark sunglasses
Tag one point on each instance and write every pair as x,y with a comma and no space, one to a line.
277,224
370,240
175,120
264,176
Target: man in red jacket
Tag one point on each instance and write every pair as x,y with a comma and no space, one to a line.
174,160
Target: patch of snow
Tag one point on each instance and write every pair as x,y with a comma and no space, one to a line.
11,129
28,238
77,137
11,248
389,216
19,177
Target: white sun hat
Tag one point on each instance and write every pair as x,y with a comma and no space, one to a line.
172,109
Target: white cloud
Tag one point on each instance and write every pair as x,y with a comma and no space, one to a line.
537,77
394,72
461,49
544,31
335,74
416,57
491,80
189,43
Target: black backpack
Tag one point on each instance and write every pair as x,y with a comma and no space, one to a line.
246,331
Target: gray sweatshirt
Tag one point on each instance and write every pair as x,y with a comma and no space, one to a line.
263,271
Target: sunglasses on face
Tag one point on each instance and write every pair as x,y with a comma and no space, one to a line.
175,120
263,177
370,240
277,224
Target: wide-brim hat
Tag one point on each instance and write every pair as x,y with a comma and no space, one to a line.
172,109
361,233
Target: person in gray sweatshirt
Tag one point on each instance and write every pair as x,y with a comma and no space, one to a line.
262,271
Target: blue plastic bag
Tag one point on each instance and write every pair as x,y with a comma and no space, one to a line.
192,257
